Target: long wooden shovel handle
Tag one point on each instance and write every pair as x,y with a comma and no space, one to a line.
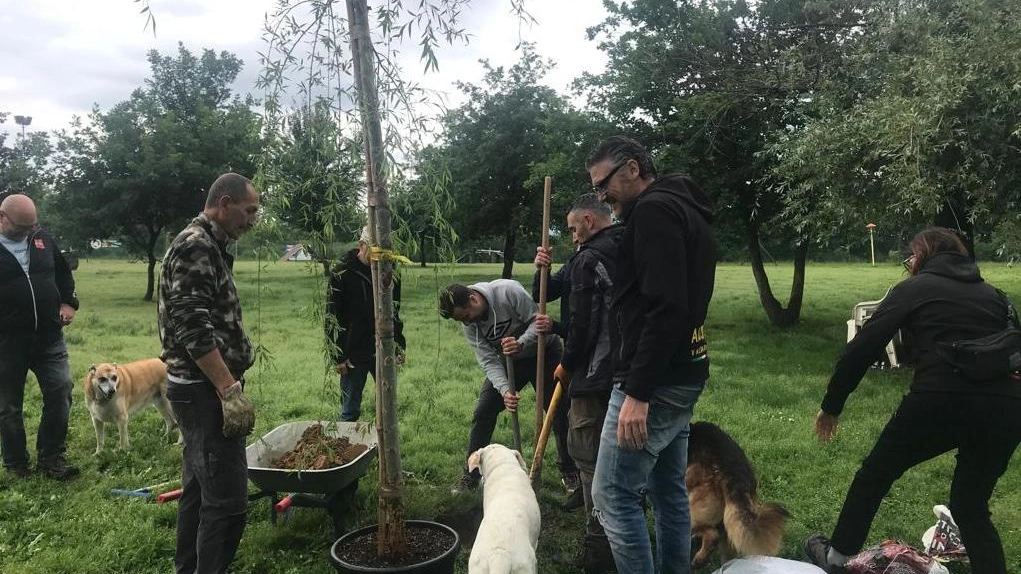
540,447
515,424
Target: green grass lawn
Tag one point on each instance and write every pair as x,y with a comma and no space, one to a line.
765,389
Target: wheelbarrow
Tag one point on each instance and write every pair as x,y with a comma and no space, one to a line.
331,488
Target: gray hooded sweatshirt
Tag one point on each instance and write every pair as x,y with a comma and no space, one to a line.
511,314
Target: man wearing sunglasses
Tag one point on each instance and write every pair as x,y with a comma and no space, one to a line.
665,269
37,300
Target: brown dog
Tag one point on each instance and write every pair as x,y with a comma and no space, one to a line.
724,505
114,392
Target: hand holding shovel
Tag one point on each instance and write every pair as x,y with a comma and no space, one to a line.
515,425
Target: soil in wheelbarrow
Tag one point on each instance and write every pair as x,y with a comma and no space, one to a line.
318,451
423,545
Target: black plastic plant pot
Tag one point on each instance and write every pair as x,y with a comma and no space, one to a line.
442,563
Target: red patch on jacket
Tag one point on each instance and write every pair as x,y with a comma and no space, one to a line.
39,243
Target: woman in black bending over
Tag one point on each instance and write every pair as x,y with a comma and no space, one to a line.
943,300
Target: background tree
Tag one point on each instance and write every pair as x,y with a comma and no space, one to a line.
936,143
418,208
312,176
706,84
490,147
141,170
23,162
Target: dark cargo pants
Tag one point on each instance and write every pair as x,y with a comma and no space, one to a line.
214,476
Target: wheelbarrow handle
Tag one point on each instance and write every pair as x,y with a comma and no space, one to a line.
284,503
171,495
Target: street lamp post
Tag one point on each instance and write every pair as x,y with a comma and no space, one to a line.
23,121
872,244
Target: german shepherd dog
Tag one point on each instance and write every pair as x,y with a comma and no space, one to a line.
724,505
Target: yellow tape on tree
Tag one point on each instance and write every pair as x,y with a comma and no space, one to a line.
377,253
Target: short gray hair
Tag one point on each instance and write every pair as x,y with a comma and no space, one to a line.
590,202
230,184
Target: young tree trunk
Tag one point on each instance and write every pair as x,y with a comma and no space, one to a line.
150,253
954,214
150,283
777,314
422,237
509,241
392,534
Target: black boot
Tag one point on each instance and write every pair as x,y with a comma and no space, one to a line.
596,556
573,500
56,467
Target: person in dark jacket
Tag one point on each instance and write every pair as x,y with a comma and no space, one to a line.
351,325
37,300
586,369
944,300
666,266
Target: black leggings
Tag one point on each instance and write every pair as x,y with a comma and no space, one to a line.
985,430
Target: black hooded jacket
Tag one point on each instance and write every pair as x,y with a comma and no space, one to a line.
31,303
350,303
587,350
946,301
666,269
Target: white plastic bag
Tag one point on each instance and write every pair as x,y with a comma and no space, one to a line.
767,565
943,539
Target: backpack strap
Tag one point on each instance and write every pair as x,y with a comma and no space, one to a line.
1012,320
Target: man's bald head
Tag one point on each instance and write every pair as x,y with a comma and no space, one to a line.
18,205
18,216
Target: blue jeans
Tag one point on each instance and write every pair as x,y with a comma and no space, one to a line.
47,358
351,387
214,476
623,475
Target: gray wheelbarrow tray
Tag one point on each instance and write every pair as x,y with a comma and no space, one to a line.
282,439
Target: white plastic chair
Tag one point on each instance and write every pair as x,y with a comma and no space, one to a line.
861,313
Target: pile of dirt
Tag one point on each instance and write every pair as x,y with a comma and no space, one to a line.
318,451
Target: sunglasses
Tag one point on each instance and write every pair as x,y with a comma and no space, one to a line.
908,263
600,186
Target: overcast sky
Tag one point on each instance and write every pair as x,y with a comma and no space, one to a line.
59,57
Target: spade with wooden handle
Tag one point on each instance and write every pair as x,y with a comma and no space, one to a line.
540,446
515,425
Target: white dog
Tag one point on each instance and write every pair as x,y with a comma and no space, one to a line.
506,540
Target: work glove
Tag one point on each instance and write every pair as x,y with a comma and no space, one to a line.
238,412
563,375
400,357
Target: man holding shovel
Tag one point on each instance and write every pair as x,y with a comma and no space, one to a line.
499,319
586,369
666,264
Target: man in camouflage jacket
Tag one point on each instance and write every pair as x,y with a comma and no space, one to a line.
207,352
